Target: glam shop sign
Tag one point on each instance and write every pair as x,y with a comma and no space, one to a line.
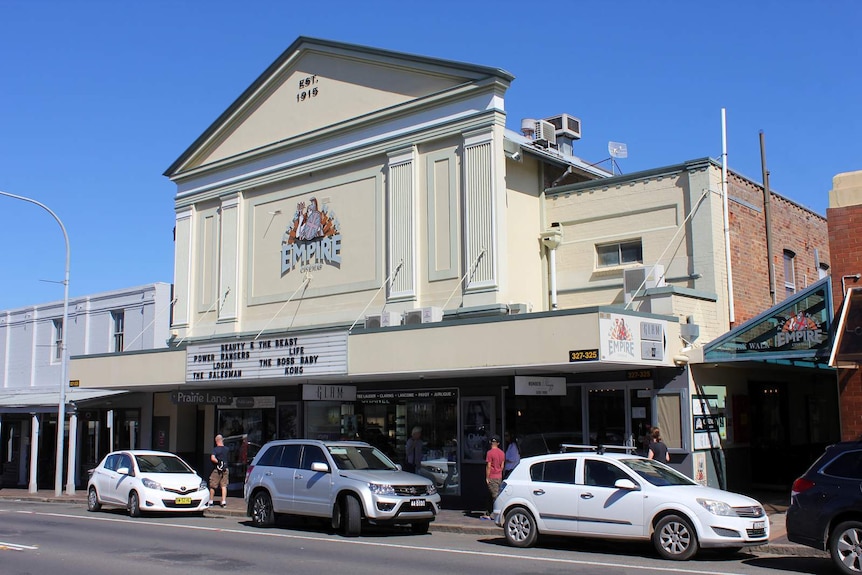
272,358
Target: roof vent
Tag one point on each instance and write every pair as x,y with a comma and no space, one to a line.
566,126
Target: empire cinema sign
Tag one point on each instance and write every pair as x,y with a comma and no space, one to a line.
271,358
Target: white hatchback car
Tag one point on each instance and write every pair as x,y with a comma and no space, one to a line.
622,496
146,481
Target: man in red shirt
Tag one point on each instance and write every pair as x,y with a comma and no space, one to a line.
495,460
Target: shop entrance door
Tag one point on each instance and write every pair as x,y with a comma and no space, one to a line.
619,415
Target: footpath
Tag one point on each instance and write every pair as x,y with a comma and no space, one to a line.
459,521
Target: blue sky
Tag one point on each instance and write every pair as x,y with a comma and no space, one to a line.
98,98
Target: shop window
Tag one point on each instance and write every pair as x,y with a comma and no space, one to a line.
244,431
386,420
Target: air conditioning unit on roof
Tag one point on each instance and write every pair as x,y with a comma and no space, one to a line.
383,319
565,125
545,134
643,277
423,315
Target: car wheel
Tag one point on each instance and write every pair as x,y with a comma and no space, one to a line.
674,538
845,547
134,505
262,514
337,516
520,528
93,500
420,527
351,517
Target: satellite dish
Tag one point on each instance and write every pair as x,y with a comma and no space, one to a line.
618,150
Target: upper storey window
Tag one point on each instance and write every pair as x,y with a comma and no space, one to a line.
619,254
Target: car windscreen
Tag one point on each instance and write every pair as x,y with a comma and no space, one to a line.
161,464
360,457
656,473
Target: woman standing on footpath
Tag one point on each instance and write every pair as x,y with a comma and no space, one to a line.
657,447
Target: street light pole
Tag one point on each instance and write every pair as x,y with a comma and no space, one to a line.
61,406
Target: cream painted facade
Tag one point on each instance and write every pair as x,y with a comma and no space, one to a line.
351,185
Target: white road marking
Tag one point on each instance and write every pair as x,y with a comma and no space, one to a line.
16,546
495,554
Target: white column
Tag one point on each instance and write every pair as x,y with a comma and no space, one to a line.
34,452
73,451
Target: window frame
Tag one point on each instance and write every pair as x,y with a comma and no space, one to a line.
789,259
118,330
621,248
58,340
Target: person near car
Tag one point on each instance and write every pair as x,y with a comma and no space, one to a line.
658,448
219,475
495,459
413,451
513,454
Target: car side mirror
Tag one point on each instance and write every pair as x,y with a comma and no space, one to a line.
123,470
626,484
320,467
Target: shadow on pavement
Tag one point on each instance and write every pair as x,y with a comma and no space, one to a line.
794,564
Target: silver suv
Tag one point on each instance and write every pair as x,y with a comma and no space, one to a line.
347,481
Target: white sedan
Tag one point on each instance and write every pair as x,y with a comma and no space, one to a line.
622,496
144,481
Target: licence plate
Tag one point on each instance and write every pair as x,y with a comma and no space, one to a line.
417,503
183,501
758,525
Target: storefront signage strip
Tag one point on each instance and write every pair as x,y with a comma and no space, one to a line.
329,392
540,385
252,359
200,397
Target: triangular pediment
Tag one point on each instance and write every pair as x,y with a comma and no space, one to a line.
316,84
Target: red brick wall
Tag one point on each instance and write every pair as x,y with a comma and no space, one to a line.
793,228
845,243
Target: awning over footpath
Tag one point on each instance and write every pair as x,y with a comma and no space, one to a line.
44,400
796,331
847,351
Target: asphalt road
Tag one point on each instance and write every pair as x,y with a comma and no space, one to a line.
37,538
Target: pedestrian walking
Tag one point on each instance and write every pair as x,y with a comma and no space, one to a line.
495,459
219,474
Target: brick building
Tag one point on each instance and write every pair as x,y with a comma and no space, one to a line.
845,217
798,242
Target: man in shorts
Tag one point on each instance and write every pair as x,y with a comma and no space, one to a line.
219,475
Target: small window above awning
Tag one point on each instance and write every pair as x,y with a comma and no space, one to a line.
847,351
796,329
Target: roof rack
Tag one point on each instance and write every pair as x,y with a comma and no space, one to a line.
600,449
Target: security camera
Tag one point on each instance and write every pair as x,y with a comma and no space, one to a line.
680,360
516,156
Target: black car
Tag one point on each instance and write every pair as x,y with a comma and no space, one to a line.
826,506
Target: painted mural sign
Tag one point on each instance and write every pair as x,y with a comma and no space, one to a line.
632,339
312,240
